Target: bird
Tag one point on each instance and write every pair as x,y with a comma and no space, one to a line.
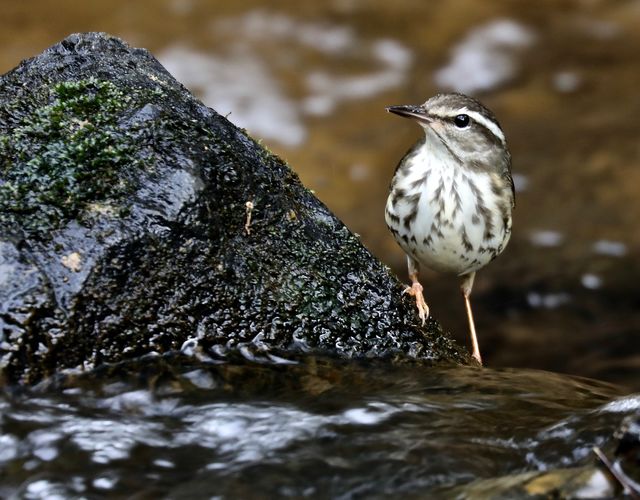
452,195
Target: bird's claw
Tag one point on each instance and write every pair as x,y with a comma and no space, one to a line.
477,357
415,290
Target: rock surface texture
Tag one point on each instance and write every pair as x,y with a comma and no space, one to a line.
125,230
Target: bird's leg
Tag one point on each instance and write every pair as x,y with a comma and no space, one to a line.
466,286
415,290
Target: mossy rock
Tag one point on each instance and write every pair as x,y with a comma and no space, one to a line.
123,216
67,155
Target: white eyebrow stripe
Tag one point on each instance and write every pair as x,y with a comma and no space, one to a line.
486,122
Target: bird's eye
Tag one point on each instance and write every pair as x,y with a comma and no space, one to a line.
461,121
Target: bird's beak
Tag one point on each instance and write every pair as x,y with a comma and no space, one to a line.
415,111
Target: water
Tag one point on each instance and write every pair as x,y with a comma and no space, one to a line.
318,428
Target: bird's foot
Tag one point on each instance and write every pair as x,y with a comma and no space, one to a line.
415,290
477,357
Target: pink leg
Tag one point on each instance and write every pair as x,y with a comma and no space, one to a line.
467,285
415,290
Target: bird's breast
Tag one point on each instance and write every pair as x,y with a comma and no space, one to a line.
448,217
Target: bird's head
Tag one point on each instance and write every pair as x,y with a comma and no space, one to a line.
459,124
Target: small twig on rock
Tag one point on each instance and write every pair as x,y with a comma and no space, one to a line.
249,209
618,476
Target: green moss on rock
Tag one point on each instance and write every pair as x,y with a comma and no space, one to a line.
65,153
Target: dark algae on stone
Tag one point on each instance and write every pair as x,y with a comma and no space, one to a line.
125,230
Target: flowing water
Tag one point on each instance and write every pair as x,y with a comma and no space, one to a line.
313,428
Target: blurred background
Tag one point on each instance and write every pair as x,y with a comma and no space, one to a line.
311,79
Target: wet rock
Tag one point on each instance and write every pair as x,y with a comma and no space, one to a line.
605,477
627,453
134,220
572,483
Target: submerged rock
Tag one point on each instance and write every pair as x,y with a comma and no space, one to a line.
627,454
134,219
571,483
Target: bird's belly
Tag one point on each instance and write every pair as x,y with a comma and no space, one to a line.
448,253
447,228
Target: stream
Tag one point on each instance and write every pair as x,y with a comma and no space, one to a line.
313,427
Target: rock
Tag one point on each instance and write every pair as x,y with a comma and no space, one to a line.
627,453
570,483
604,477
135,220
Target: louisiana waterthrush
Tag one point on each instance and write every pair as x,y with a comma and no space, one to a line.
451,197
